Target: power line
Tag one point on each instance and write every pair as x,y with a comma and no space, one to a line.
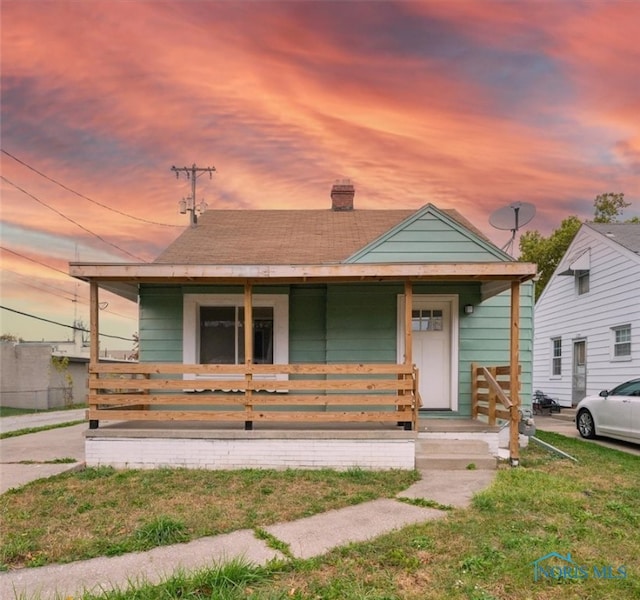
117,337
74,299
71,220
33,260
112,312
65,187
35,287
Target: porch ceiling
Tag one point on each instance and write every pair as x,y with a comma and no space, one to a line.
124,279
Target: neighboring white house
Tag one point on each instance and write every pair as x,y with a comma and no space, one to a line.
587,319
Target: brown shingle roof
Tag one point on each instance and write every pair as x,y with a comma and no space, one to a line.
272,237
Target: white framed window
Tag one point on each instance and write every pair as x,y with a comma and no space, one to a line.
213,329
621,342
556,357
582,282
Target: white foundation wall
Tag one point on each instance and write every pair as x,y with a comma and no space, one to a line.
149,453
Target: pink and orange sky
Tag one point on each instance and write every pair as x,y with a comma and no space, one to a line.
465,104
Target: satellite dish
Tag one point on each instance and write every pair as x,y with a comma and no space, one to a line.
511,218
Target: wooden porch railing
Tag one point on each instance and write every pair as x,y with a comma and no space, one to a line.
490,387
296,393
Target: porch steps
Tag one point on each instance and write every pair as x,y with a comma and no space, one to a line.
454,454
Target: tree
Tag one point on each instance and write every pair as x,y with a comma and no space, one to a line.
548,252
135,351
608,207
9,337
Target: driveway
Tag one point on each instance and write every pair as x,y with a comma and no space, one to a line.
567,428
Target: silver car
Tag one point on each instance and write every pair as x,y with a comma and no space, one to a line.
614,413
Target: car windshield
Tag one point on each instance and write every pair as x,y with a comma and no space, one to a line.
630,388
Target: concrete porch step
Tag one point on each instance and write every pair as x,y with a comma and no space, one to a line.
453,454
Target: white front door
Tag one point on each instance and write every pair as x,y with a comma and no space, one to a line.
434,350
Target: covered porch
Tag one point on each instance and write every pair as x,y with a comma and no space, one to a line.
290,401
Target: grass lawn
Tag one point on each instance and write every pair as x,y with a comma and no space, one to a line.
27,430
104,512
589,509
6,411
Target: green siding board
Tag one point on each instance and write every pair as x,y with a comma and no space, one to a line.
160,353
232,289
361,323
162,335
426,236
160,324
423,256
427,239
307,324
423,246
484,338
154,309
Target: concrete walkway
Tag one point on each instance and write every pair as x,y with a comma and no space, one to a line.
28,457
41,419
306,538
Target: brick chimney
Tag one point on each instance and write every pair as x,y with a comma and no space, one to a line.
342,194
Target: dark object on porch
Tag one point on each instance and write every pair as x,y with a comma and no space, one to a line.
543,404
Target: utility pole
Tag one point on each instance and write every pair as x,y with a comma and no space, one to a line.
189,204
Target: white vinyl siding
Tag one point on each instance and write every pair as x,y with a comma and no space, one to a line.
612,301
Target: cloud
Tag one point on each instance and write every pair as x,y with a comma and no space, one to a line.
464,104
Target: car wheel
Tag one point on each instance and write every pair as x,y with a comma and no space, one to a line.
586,426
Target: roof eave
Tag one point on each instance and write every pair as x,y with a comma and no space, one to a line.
173,273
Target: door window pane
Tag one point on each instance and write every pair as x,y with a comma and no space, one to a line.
426,320
415,320
580,353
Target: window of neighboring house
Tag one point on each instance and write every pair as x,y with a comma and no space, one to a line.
621,342
582,282
213,329
556,357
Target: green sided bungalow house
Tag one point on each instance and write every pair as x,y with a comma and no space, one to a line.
312,338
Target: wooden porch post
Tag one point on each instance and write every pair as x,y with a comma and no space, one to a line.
514,363
94,336
248,348
408,336
408,350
